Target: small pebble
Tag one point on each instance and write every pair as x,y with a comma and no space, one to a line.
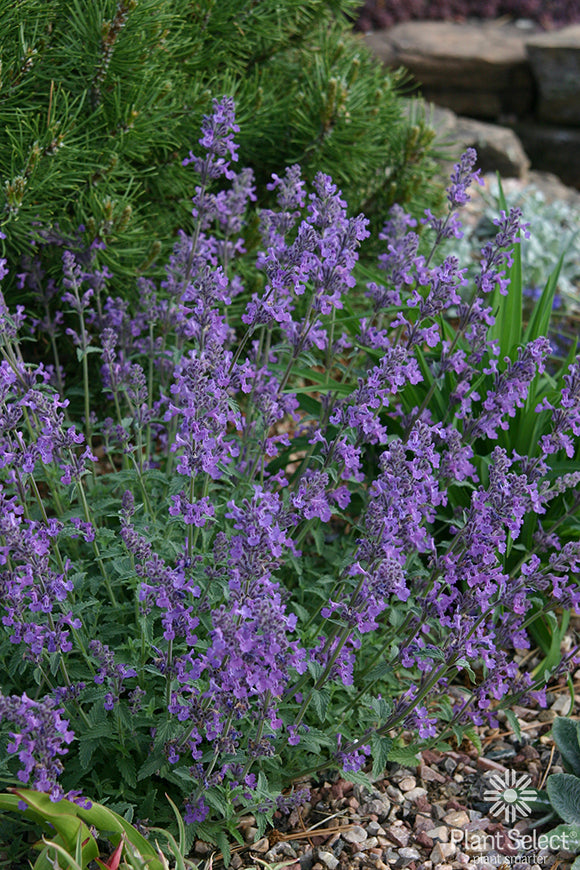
422,823
262,846
328,859
428,774
355,835
410,853
442,852
562,704
457,819
395,794
202,848
415,793
398,834
441,833
408,783
370,843
236,862
424,839
488,764
423,804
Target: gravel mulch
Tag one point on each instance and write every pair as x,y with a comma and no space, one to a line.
438,815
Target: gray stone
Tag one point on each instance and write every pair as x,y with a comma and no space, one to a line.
262,846
562,705
481,69
282,848
355,834
371,843
499,149
552,149
328,859
409,853
555,60
395,794
442,852
399,834
441,833
457,819
415,793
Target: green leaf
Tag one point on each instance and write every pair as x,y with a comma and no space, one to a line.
320,701
405,755
539,323
127,768
224,846
216,800
46,859
473,735
180,825
380,747
564,792
568,838
87,748
514,723
151,765
566,737
507,329
357,777
61,816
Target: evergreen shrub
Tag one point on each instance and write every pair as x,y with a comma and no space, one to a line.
100,101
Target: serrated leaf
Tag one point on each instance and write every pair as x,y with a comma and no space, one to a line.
380,747
357,777
86,750
315,669
224,846
514,723
566,736
151,765
381,707
127,768
473,735
404,755
320,701
564,792
217,801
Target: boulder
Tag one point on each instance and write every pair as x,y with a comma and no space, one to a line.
552,149
555,60
498,148
478,69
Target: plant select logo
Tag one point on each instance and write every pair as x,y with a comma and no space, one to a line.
510,793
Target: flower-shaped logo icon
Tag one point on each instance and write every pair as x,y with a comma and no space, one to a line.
510,793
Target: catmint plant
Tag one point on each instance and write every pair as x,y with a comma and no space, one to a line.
293,529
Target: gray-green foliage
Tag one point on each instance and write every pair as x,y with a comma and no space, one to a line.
553,233
101,101
564,788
